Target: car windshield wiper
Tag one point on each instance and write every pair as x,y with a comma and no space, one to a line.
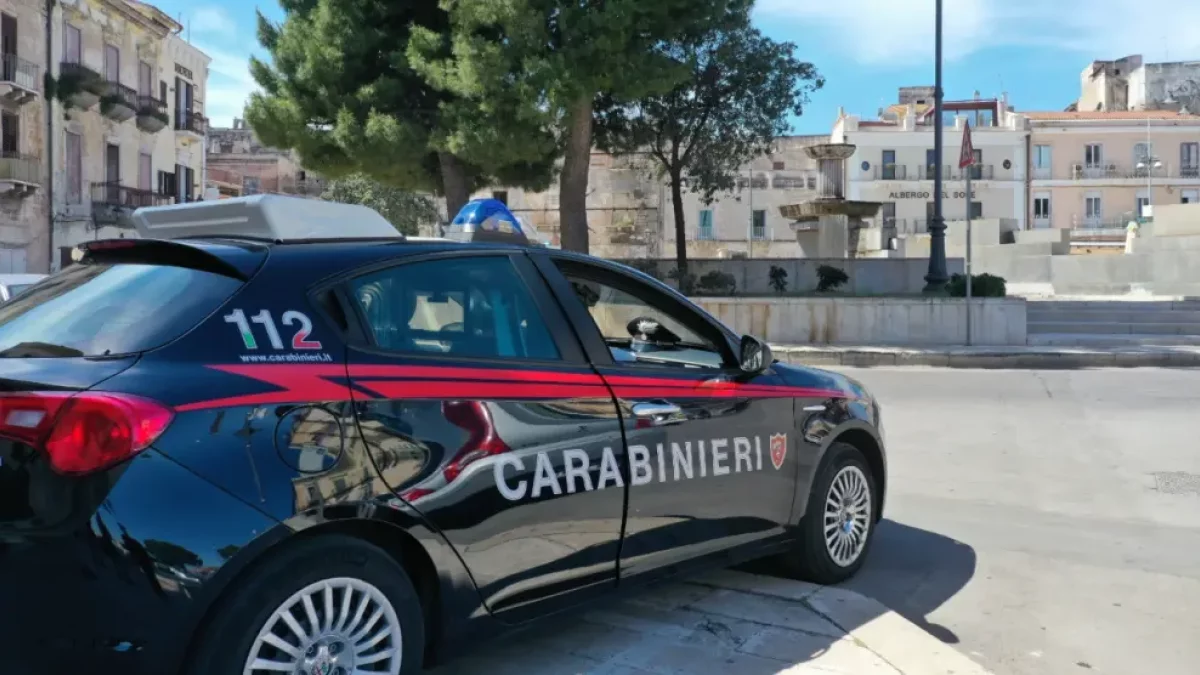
38,349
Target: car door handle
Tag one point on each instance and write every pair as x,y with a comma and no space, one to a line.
659,413
820,407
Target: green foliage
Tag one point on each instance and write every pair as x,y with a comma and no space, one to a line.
982,286
685,281
343,92
740,89
830,278
647,267
779,280
716,282
403,209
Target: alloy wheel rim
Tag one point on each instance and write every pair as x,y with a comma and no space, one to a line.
847,521
340,626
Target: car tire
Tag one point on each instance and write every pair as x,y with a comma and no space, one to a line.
347,566
829,560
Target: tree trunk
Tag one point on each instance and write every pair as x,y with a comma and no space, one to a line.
455,184
681,263
573,184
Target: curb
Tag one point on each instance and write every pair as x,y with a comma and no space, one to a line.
983,358
891,637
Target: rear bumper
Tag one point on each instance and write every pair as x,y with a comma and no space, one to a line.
124,592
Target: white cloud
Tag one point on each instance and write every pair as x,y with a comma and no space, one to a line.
212,20
878,32
229,84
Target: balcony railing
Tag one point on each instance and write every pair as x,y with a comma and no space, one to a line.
191,122
119,102
151,114
891,172
898,226
16,168
1189,171
116,195
1043,173
929,172
977,172
24,74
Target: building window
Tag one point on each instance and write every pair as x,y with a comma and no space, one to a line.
72,44
1093,211
501,196
73,150
1142,152
145,79
166,184
1189,160
1189,197
1041,209
887,214
977,167
777,166
1143,200
10,134
706,225
759,229
162,92
976,210
145,172
930,165
888,165
1043,158
1093,155
112,63
112,164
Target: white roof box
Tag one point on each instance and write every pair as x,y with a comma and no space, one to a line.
265,217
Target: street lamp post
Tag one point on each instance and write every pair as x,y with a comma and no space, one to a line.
936,278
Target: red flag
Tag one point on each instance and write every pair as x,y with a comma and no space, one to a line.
967,158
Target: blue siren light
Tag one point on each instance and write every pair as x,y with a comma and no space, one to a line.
486,220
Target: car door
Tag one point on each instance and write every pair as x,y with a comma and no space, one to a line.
467,367
708,447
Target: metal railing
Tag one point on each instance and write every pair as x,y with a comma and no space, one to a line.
1189,171
23,73
115,194
123,95
23,168
929,172
898,226
891,172
147,105
194,122
978,172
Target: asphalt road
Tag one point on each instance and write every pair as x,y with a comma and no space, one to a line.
1044,522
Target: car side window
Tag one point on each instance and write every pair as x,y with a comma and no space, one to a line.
638,329
473,307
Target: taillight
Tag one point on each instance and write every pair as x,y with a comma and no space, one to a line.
482,441
83,432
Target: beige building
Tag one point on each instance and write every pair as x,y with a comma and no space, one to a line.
24,215
1099,169
1131,84
238,164
893,163
129,119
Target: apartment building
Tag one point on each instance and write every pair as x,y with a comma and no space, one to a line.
1100,169
1130,83
238,165
894,160
24,211
128,122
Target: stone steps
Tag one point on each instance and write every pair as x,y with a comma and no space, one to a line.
1097,340
1113,316
1113,322
1113,328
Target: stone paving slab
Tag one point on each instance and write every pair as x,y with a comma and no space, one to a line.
1018,358
726,622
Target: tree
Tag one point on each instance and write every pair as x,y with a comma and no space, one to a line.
742,88
341,91
558,56
404,210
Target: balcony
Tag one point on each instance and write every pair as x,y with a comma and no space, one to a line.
79,86
152,114
929,172
977,172
20,80
118,103
113,203
1189,171
19,174
891,172
189,122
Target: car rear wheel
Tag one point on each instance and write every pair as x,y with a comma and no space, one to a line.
332,605
839,523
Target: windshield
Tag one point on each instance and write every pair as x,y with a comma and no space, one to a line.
16,289
99,310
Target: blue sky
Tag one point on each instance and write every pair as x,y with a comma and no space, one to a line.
866,49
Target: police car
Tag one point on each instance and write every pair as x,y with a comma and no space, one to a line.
272,435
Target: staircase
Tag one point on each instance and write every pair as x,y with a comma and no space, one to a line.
1113,322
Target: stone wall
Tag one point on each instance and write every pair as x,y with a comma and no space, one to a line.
873,321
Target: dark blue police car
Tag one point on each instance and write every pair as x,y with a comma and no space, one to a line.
273,436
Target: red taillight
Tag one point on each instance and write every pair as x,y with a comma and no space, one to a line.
83,432
482,441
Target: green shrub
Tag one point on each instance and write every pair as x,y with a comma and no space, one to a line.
982,286
717,282
686,284
779,279
647,267
829,278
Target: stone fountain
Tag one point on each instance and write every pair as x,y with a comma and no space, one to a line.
829,226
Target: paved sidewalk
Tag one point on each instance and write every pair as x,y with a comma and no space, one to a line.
1021,358
728,622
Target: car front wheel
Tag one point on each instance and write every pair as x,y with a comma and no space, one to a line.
333,605
839,523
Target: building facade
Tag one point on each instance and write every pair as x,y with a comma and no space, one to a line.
1100,169
238,165
127,120
24,206
1131,84
893,162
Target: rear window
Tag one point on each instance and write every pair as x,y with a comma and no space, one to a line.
103,309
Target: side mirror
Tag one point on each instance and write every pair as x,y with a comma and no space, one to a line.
755,355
